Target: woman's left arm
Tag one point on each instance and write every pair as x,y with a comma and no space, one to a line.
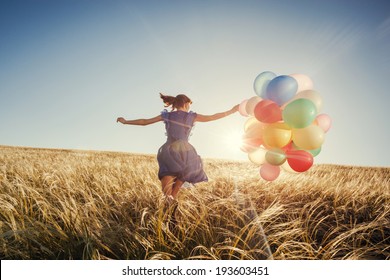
140,121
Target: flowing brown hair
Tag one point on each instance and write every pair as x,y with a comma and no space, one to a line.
176,102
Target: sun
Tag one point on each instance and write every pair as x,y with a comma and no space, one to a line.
233,140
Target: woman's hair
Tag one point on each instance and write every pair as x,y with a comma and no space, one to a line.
175,102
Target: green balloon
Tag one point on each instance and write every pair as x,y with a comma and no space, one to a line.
315,152
275,156
299,113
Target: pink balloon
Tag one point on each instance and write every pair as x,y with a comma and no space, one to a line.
324,122
242,108
269,172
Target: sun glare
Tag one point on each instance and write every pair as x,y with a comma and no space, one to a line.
233,140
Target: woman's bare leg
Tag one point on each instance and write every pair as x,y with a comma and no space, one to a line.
167,183
168,187
176,188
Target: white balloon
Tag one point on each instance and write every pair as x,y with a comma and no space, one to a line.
258,156
304,82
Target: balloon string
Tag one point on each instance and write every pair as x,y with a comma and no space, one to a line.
244,200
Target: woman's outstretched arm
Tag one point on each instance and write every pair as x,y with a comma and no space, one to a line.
140,121
205,118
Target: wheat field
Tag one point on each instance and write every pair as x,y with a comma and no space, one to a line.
72,204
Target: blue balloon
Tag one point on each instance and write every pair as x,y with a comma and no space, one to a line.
261,82
281,89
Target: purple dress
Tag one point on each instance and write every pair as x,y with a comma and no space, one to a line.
177,157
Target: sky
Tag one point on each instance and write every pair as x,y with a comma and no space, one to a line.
68,69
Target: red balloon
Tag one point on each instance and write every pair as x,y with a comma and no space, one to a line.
288,147
299,160
268,111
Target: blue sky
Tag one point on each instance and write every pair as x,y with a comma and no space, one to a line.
68,69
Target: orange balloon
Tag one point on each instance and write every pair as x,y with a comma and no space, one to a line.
252,122
255,130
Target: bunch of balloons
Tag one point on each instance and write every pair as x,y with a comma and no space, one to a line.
284,127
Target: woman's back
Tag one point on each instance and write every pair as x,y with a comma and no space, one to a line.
178,124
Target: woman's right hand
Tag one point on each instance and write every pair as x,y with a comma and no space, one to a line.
121,120
235,108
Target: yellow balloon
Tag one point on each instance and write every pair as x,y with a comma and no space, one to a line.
277,135
309,138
